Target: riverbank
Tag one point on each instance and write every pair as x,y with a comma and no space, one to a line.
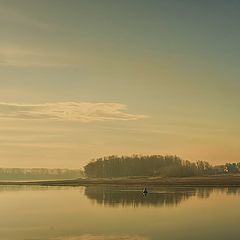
217,180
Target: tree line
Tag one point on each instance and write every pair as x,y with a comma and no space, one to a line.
153,165
124,166
38,173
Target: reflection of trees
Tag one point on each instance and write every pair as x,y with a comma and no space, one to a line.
204,192
232,190
117,196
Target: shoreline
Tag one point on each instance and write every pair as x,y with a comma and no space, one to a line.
204,181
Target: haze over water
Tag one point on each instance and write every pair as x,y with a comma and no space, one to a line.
119,213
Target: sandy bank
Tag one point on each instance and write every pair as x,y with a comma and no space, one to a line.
219,180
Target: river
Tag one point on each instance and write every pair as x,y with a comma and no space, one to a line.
118,213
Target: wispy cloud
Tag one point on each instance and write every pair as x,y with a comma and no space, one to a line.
102,237
68,111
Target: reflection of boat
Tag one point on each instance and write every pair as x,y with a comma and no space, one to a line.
145,191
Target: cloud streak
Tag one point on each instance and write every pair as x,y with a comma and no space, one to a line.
68,111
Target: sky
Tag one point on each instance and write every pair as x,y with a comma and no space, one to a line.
82,79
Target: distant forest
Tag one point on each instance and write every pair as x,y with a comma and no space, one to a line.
124,166
154,165
38,173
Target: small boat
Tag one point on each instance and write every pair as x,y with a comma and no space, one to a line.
145,191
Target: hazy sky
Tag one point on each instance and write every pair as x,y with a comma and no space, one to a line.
81,79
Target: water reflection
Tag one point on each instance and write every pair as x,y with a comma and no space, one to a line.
18,188
67,213
116,196
120,196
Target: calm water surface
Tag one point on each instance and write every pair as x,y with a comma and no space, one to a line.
118,213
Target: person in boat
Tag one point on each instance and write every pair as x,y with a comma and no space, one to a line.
145,191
